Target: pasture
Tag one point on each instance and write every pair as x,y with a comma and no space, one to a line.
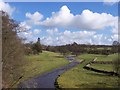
81,78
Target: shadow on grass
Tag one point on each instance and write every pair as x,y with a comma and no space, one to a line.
99,74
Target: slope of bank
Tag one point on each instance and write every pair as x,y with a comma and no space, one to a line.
42,63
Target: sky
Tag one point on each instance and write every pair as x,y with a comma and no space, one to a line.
60,23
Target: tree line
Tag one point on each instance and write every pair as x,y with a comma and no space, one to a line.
78,49
74,48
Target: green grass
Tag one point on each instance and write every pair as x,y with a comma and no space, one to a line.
86,57
110,57
105,67
44,62
81,78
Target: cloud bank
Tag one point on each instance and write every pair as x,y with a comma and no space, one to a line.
87,24
86,20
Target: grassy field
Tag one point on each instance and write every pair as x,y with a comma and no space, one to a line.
81,78
44,62
86,57
110,57
105,67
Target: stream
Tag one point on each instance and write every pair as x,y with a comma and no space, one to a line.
47,80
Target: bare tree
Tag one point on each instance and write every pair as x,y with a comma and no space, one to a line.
12,52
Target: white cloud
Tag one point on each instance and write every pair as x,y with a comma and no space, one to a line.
68,37
80,37
36,31
28,35
78,34
97,39
7,8
86,20
27,26
47,40
110,2
34,18
52,31
24,26
115,32
59,19
25,34
114,37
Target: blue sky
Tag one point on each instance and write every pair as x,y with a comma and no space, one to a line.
46,8
81,22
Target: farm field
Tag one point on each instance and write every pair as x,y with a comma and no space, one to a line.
81,78
105,67
110,57
86,57
44,62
